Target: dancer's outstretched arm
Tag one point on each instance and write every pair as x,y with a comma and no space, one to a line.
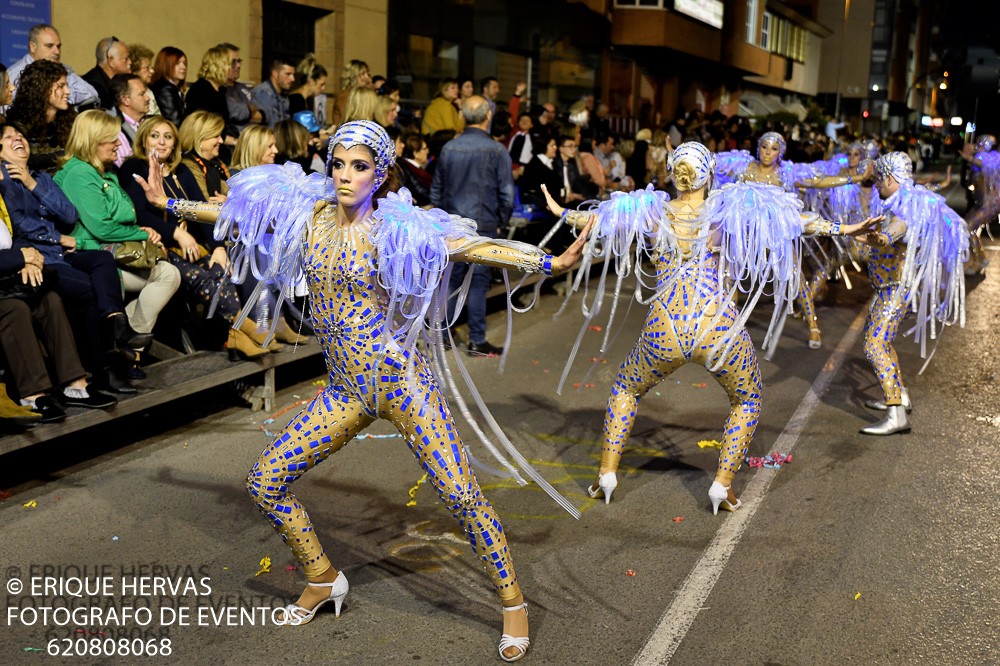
827,182
574,218
195,211
813,225
505,256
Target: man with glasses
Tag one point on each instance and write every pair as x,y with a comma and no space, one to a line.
568,169
112,58
44,43
239,98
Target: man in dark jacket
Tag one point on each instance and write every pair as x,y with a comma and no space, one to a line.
112,58
473,178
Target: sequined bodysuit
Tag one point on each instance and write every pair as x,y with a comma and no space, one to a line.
814,278
886,309
369,381
687,324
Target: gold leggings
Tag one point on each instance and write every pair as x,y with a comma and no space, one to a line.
421,414
660,350
881,328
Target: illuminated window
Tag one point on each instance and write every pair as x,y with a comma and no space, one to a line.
751,29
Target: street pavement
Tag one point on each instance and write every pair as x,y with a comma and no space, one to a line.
860,550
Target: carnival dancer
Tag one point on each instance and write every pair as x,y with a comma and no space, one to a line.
704,248
376,268
846,196
770,168
915,263
984,163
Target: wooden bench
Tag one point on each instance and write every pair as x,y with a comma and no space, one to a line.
175,376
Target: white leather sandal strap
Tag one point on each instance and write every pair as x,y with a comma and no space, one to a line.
515,608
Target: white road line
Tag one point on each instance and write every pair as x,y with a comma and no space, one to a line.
677,620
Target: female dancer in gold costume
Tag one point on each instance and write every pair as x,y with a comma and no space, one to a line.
704,248
361,253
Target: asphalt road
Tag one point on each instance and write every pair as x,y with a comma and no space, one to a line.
861,550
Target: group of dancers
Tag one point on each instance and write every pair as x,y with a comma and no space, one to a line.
376,269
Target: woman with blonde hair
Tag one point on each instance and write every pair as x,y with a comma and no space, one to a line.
107,216
201,260
354,75
441,113
201,136
257,145
208,92
386,111
362,104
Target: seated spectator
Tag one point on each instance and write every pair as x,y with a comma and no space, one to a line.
310,80
44,43
292,140
640,163
38,317
541,170
239,97
87,280
572,184
611,161
256,145
436,145
441,113
112,58
6,90
207,94
131,107
271,96
386,111
142,66
43,113
520,146
107,215
362,104
354,75
200,140
169,73
201,260
412,167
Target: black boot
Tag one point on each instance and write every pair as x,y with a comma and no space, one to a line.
124,335
112,377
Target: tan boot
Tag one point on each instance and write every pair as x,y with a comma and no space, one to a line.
241,346
249,328
13,411
284,333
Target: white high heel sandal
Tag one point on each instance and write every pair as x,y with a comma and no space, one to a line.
507,641
605,484
719,495
296,615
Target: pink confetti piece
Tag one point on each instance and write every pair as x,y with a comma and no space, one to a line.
630,573
678,519
596,329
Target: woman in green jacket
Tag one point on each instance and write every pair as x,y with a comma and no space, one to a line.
108,216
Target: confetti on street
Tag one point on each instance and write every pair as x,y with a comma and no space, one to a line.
265,565
770,461
413,491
